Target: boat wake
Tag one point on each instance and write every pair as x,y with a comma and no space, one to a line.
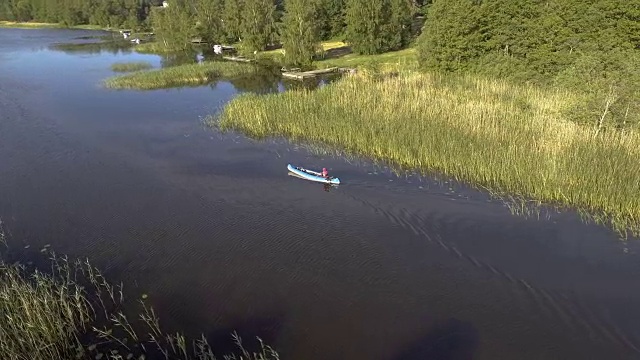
579,315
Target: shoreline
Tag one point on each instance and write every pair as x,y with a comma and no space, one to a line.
512,140
620,214
41,25
179,76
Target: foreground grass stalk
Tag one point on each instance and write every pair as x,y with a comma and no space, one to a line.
55,315
509,139
183,75
39,314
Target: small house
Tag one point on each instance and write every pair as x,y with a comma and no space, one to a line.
165,4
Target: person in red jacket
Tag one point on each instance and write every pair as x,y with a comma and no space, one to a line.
325,173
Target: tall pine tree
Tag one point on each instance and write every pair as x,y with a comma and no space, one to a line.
299,32
209,23
258,24
173,25
398,28
335,10
6,11
365,26
451,36
330,17
232,19
22,10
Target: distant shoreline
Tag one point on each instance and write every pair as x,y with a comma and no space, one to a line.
41,25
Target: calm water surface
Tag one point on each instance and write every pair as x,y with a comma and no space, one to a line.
213,229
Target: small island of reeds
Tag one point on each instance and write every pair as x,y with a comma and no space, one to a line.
182,75
131,66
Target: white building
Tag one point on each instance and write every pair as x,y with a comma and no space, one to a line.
165,3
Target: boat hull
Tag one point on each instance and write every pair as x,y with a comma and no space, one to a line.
312,175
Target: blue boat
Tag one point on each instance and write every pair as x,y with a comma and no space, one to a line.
312,175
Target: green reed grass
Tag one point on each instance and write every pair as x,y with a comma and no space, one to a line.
43,315
509,139
182,75
153,47
72,312
131,66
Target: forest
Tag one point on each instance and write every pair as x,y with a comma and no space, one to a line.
298,25
590,46
106,13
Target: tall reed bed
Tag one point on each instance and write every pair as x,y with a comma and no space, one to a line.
72,312
507,138
42,317
130,66
182,75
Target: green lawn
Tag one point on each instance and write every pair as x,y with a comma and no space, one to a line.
394,60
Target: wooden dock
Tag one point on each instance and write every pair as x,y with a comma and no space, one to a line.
297,75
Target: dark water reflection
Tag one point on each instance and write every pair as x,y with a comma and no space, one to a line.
213,229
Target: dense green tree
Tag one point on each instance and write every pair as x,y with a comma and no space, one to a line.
365,26
299,34
330,18
209,22
376,26
232,19
51,12
452,35
258,24
38,9
22,10
115,13
546,37
173,25
586,46
6,11
398,27
336,14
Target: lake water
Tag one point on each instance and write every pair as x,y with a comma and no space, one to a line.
210,226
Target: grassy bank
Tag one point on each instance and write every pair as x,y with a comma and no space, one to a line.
183,75
40,25
338,54
72,312
510,139
390,61
131,66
